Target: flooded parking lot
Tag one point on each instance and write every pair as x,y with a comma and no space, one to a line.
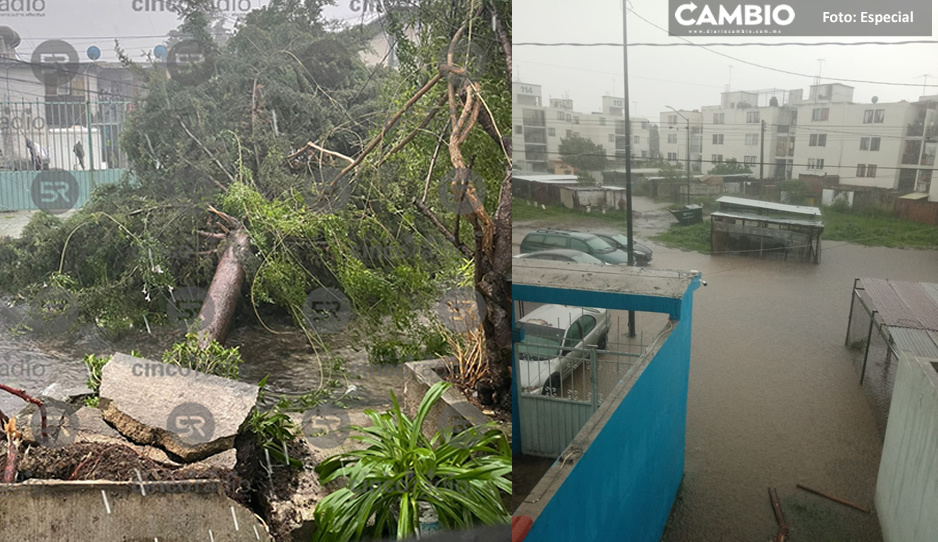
774,398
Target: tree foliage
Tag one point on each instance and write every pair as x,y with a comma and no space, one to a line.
583,154
729,167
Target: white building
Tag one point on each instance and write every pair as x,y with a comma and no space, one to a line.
679,133
539,128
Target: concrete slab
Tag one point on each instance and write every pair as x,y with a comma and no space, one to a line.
190,414
67,511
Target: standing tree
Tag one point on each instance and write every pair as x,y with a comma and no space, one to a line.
729,167
654,144
583,154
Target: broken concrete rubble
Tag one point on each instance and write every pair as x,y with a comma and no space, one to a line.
189,414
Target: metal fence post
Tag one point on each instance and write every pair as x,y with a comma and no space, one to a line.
869,336
90,142
853,296
594,376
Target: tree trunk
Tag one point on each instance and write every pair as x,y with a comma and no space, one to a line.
218,309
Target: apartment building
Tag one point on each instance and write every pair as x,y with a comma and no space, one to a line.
679,133
538,129
881,145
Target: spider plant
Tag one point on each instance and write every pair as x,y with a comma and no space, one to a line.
458,475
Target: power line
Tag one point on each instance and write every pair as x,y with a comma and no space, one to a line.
741,44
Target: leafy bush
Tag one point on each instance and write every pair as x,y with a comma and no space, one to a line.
458,475
214,359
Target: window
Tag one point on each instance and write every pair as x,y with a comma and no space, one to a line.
551,132
672,156
874,115
560,115
817,140
602,121
576,120
672,138
864,145
718,118
749,160
815,163
716,158
569,118
861,170
519,129
644,125
569,133
636,139
752,139
644,154
871,170
820,113
874,144
717,139
752,116
672,119
612,138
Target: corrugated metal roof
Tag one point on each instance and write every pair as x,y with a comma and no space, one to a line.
915,195
920,342
775,219
771,206
911,305
546,178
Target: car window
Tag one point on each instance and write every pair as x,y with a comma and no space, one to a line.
534,239
555,241
598,245
587,324
622,240
582,257
576,244
574,335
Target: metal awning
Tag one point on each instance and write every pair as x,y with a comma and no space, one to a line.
912,305
769,206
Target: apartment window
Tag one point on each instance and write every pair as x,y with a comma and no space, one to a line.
644,154
569,118
716,158
551,132
569,133
672,119
672,138
749,160
672,156
576,120
752,117
560,115
519,129
752,139
817,140
820,113
869,143
636,139
815,163
874,116
602,121
871,170
718,118
861,170
717,139
644,125
612,138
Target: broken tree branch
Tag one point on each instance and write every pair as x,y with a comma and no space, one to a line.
503,38
414,133
779,516
29,398
310,145
425,211
833,498
210,155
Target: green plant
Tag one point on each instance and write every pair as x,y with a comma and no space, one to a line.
458,475
214,359
95,364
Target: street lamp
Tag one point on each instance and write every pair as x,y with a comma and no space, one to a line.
688,148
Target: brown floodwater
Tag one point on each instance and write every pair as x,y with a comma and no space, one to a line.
774,398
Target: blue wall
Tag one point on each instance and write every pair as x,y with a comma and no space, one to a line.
624,485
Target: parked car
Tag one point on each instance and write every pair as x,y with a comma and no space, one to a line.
642,253
563,255
545,355
584,242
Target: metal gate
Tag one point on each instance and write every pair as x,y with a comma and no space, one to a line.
551,416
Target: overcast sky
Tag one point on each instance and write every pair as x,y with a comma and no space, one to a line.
138,24
690,77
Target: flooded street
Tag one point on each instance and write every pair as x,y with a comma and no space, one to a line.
774,398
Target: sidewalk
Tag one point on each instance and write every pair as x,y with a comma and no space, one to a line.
12,223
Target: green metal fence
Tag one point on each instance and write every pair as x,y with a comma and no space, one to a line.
16,187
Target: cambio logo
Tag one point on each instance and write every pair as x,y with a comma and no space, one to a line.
22,7
743,15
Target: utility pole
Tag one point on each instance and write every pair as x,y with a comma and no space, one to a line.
687,179
628,152
762,160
